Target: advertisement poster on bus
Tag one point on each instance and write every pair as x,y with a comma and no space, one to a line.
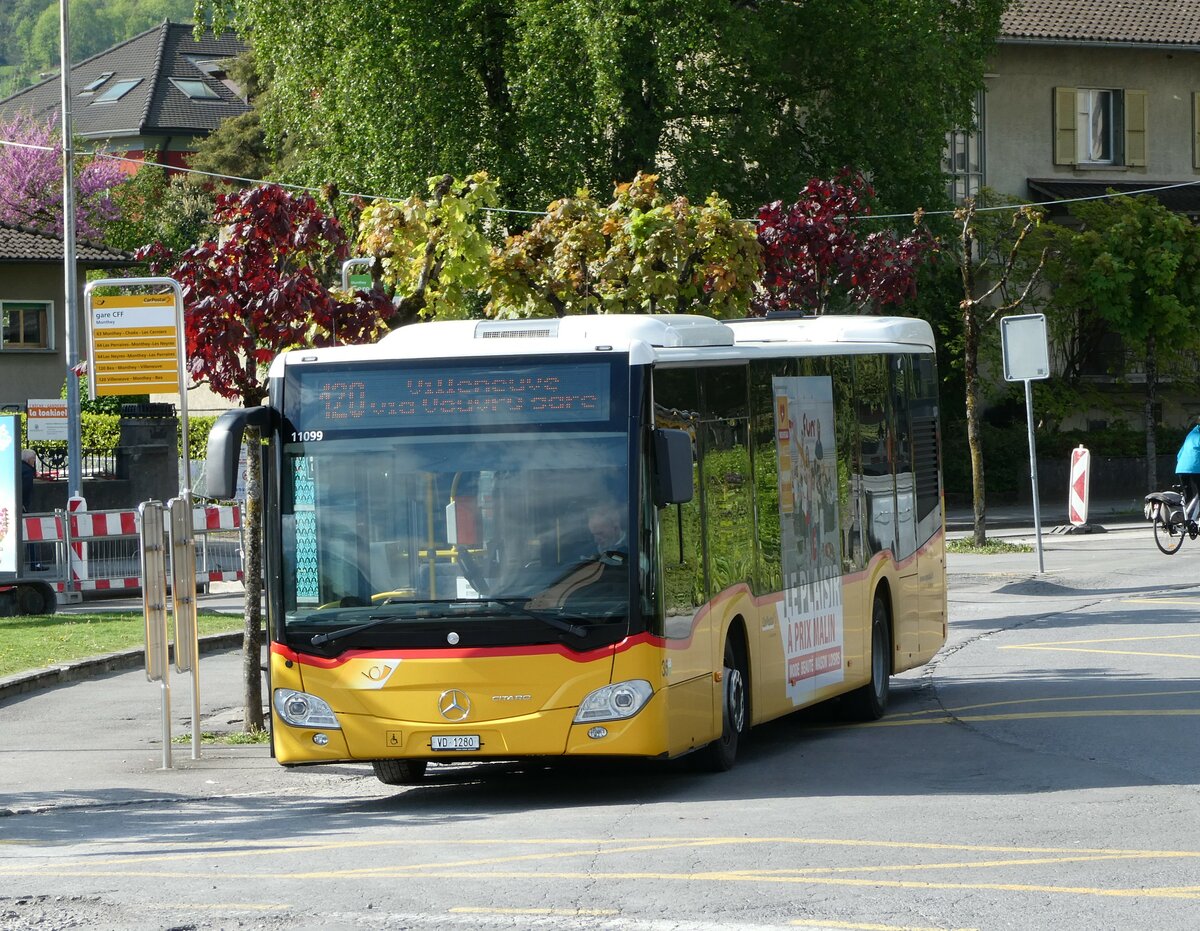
10,488
811,619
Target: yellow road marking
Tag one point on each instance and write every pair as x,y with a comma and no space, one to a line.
592,846
1035,701
1057,649
230,906
1167,892
1160,601
855,926
1040,715
1072,643
569,912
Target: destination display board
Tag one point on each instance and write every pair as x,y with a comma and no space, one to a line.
337,400
134,345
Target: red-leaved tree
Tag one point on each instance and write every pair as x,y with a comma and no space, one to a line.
819,256
256,292
31,180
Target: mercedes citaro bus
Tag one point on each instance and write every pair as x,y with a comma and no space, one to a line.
596,536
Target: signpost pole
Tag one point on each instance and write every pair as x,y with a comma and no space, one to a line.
1033,476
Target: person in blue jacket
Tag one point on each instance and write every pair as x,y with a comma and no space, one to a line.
1187,466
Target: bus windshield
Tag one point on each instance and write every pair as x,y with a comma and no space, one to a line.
523,528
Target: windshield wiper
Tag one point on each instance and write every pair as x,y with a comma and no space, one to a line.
374,621
550,620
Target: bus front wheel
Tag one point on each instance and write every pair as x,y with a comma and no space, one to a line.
399,772
719,756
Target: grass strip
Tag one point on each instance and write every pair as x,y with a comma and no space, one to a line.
989,548
35,641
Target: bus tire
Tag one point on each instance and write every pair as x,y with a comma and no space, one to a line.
719,756
399,772
869,702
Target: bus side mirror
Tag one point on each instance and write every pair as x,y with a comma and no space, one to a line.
225,447
672,467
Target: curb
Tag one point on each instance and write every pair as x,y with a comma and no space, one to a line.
22,683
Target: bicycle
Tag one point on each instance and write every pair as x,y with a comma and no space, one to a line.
1174,518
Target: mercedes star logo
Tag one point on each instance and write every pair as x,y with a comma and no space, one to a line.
454,705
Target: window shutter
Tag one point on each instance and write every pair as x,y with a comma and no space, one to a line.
1064,126
1135,128
1195,129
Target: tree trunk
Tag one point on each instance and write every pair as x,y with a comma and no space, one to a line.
974,439
252,700
1151,396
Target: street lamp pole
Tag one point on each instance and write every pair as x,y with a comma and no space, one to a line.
71,303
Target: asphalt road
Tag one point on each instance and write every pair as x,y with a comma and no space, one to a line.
1040,773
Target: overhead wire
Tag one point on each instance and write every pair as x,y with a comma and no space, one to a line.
1107,195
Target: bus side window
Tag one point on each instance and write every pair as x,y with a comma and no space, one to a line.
872,394
848,465
768,576
684,586
725,473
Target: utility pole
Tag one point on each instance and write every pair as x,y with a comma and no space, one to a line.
71,303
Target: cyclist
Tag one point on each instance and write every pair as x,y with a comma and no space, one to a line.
1187,467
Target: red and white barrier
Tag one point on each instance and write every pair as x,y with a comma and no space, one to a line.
95,526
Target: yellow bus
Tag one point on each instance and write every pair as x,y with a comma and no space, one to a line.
600,536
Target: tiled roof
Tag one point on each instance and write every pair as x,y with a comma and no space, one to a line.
21,244
155,106
1152,22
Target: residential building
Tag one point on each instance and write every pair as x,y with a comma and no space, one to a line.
162,91
33,356
1083,95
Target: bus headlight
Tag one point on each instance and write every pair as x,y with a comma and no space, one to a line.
300,709
613,702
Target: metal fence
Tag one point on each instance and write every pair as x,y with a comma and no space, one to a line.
88,551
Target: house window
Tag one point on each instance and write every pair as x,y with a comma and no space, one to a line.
1098,111
962,159
118,90
196,90
93,86
24,325
1096,126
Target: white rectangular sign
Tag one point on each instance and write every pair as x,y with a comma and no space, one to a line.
46,419
1025,347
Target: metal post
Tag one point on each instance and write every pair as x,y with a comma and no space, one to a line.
1037,514
71,305
183,602
154,607
353,263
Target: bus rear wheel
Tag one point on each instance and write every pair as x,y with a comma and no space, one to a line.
869,702
719,756
399,772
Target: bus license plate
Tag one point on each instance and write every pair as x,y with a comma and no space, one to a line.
456,742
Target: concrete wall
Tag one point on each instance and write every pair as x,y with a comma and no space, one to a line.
1019,111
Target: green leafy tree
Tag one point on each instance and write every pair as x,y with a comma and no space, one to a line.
432,252
745,99
644,252
155,206
1134,266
